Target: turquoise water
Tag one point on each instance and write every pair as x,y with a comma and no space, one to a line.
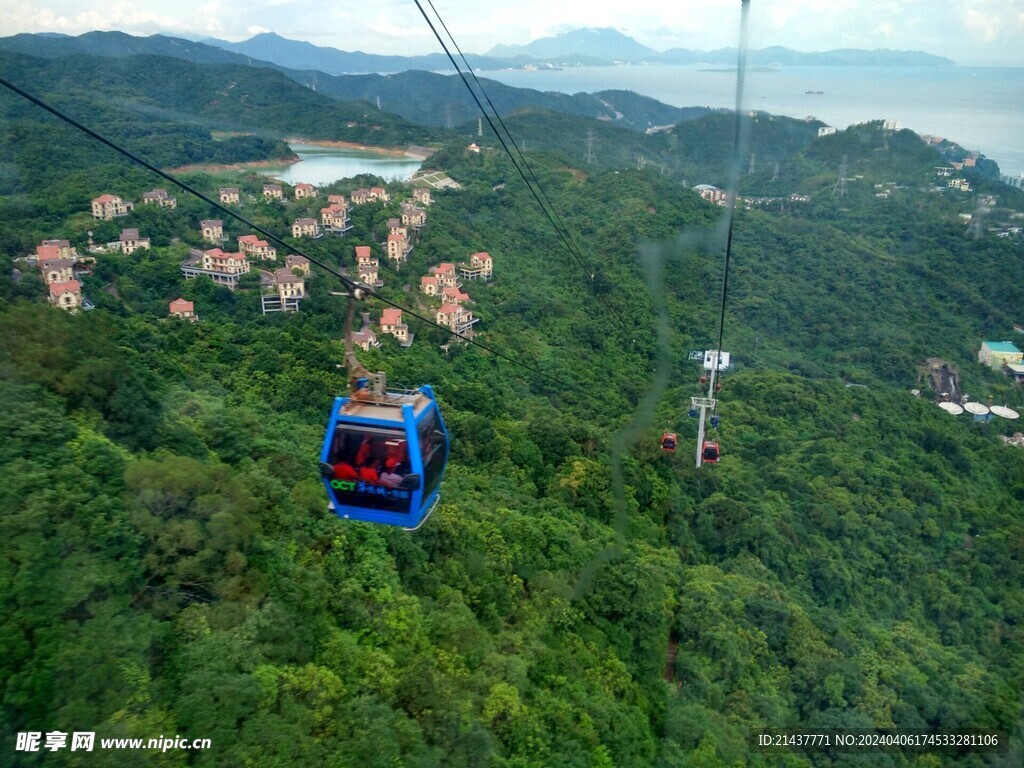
980,108
323,165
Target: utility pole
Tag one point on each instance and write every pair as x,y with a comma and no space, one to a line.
708,403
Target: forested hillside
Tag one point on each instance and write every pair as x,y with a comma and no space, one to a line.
414,90
579,597
217,96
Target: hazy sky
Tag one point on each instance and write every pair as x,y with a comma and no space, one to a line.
967,31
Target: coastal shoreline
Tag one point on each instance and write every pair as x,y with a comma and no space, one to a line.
331,144
238,167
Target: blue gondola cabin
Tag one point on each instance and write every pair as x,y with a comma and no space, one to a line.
382,459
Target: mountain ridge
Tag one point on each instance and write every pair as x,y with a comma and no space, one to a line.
583,47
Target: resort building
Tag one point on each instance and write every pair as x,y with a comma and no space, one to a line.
453,295
159,197
212,231
66,295
184,309
288,289
429,285
456,317
252,246
57,270
398,248
220,266
445,274
306,228
335,218
107,207
711,194
365,338
368,273
391,322
413,216
395,227
297,263
996,354
480,267
55,249
130,241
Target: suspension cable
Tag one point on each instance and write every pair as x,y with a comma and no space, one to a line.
734,171
552,214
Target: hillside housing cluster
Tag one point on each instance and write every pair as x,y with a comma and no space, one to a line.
283,285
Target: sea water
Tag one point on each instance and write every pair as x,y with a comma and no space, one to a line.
980,108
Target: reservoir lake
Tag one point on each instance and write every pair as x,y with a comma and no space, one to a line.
320,165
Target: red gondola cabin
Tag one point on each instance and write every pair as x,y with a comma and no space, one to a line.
709,453
668,442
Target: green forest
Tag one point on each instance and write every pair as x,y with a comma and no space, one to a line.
579,598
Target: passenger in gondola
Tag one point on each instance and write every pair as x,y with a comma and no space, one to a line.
345,471
364,452
370,472
390,477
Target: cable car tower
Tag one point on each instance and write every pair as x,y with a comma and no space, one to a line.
714,362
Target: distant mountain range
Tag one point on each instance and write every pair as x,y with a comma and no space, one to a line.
611,46
423,97
582,47
601,44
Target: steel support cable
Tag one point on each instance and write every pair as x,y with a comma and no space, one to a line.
734,171
351,285
573,251
508,133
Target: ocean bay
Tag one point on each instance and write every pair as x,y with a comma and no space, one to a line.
979,108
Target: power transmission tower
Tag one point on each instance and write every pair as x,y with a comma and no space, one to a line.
588,155
479,126
775,176
839,189
640,163
753,164
448,116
